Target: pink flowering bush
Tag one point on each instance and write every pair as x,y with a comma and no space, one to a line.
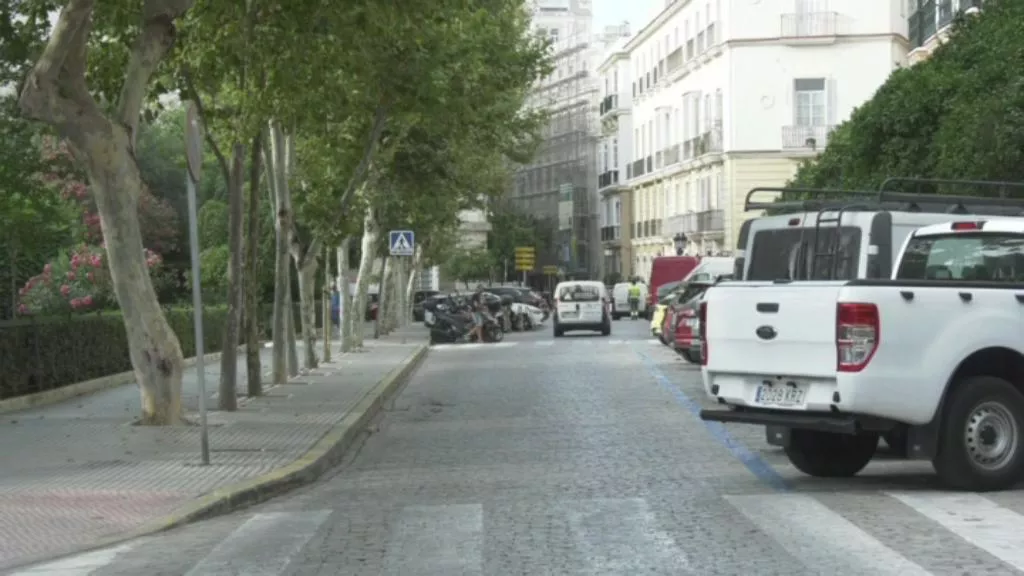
77,281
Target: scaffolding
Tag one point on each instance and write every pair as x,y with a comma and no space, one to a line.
560,185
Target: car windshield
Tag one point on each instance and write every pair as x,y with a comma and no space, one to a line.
667,289
579,293
964,256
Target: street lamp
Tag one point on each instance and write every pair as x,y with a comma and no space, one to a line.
679,240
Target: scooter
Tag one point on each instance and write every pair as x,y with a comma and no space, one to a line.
450,321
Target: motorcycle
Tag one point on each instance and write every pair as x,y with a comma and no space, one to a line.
451,320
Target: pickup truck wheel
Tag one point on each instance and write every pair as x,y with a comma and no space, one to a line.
980,444
829,455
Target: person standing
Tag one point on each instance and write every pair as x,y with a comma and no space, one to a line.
634,299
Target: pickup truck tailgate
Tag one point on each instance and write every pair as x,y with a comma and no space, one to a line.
777,329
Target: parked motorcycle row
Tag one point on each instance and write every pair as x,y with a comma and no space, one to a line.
449,317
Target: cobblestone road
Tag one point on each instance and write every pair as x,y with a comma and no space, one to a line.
581,455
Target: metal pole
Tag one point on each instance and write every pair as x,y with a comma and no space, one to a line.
197,313
524,278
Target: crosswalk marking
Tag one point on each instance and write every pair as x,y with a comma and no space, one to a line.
603,535
822,539
622,536
976,519
566,341
80,565
263,546
438,540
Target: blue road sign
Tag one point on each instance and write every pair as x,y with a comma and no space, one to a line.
402,242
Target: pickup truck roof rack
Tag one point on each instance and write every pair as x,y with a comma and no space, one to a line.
838,202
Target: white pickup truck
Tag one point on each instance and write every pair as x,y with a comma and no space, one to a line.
932,359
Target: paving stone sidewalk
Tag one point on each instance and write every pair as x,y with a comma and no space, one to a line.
75,473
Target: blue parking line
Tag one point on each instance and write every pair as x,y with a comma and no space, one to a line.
756,464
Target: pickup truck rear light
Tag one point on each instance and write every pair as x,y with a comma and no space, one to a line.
964,226
702,317
858,328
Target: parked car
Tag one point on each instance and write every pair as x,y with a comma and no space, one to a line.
930,359
686,324
417,303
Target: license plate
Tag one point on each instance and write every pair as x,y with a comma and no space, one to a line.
779,395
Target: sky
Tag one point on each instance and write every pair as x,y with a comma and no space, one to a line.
636,12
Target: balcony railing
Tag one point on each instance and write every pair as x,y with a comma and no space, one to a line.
650,164
610,102
809,24
655,227
711,141
609,178
710,221
711,34
806,137
638,169
670,155
922,24
611,233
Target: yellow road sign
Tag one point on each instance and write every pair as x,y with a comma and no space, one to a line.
551,270
524,250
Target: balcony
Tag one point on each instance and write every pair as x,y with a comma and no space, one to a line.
710,221
809,24
670,155
932,16
654,227
609,104
609,178
611,233
811,138
638,169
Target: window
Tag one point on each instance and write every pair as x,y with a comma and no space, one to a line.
719,107
721,191
689,198
579,293
554,34
707,112
615,153
964,256
788,254
809,101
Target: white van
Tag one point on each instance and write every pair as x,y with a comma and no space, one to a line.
582,305
620,300
710,268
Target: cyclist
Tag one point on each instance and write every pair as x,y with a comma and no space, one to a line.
634,299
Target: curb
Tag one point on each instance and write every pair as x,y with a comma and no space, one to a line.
324,455
48,397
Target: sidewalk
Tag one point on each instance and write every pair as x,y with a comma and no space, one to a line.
78,474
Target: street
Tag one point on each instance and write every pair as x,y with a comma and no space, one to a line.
580,455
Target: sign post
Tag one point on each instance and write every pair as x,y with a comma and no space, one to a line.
526,260
402,244
194,154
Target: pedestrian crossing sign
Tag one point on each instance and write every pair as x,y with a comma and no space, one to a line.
402,242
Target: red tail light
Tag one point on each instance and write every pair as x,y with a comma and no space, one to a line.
858,329
961,226
702,316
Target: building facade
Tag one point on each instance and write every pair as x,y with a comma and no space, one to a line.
616,142
728,95
559,187
928,23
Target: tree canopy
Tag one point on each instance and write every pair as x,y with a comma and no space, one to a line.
957,115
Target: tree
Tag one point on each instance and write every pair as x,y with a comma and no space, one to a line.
953,116
57,92
469,265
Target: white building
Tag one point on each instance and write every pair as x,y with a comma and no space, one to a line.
928,23
614,152
733,94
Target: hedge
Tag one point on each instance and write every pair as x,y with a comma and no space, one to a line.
38,354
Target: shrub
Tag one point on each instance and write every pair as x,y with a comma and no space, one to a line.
49,352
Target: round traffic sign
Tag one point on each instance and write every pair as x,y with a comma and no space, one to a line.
193,142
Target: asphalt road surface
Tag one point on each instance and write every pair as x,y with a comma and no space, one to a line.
581,455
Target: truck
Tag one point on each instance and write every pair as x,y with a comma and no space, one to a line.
932,358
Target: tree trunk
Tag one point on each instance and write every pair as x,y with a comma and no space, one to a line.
56,92
410,284
384,291
307,308
363,278
282,264
325,304
253,367
397,294
293,353
227,398
345,306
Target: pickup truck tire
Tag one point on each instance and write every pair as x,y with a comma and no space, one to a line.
691,356
981,447
830,455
